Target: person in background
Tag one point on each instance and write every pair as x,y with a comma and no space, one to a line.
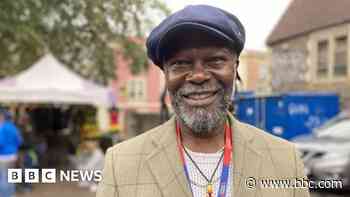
10,141
91,157
27,158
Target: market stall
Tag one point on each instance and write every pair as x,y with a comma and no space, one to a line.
49,81
55,107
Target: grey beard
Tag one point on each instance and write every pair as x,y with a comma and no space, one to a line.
201,120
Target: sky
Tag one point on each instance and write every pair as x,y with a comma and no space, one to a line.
258,16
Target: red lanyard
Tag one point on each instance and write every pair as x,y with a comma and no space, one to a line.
227,158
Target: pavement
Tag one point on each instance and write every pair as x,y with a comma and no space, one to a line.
57,190
72,190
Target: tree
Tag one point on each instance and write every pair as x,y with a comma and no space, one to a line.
80,33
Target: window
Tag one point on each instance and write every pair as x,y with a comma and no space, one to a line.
136,90
340,56
322,58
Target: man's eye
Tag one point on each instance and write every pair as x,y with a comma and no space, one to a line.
180,65
216,61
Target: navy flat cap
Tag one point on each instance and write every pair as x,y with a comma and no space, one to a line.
208,19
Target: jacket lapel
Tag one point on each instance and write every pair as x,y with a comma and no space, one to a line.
246,159
165,164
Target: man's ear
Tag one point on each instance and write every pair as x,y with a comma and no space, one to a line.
165,74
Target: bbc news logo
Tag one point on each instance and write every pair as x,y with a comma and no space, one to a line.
30,175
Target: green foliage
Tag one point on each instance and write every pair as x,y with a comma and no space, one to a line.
133,51
80,33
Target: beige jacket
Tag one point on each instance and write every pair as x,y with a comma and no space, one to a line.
149,165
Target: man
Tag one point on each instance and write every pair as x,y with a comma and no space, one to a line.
10,140
203,150
90,158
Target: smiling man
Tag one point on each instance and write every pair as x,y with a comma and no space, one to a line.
202,150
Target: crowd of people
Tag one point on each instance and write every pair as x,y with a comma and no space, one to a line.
20,148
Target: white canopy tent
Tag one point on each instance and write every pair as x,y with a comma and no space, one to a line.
48,81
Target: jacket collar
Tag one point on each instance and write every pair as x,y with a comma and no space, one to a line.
166,166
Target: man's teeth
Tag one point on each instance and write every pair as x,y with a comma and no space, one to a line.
197,96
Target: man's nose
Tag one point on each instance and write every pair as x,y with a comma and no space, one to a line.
198,74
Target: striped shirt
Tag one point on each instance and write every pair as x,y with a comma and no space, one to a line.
206,163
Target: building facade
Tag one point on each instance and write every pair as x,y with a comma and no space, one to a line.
137,96
310,48
253,70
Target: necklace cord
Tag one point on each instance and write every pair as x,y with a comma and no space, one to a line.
200,171
226,157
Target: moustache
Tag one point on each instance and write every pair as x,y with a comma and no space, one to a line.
189,89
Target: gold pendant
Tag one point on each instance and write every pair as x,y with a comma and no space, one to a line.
210,190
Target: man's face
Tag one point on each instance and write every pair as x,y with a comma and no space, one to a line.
200,72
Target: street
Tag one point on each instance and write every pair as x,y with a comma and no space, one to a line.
57,190
71,190
327,194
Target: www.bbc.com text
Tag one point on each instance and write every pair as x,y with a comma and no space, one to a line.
253,183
